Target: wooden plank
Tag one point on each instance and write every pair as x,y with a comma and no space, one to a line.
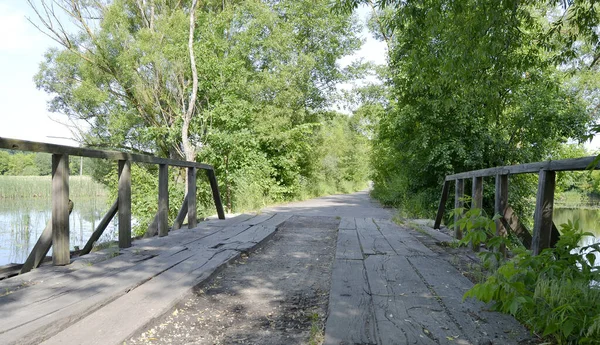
214,186
191,198
277,220
163,200
124,207
500,204
181,215
572,164
149,301
372,241
258,219
477,323
100,228
229,221
248,239
24,145
347,223
348,247
351,316
517,227
401,241
405,311
544,206
41,248
459,193
60,210
477,200
442,205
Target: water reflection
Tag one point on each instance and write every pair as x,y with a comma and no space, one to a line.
22,221
589,221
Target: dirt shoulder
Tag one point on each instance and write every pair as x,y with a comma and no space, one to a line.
277,294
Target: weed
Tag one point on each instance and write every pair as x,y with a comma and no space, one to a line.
316,330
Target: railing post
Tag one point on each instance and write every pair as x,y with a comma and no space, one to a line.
191,198
163,200
124,202
500,204
442,205
544,206
215,191
458,203
477,199
60,210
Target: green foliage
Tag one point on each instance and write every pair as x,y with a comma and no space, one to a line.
554,293
266,75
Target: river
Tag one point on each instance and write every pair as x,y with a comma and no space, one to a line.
22,221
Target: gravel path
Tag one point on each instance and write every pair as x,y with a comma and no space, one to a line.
275,295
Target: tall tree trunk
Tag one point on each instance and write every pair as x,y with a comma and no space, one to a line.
188,148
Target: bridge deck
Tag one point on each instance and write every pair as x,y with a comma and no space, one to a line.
122,290
387,287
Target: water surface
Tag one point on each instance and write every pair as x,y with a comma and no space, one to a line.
23,220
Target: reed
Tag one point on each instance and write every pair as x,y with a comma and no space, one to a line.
16,187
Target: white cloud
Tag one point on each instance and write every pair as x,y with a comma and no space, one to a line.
18,35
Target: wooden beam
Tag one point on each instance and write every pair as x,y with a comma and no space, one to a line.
442,205
215,191
112,211
181,214
572,164
191,198
163,200
477,200
41,248
500,204
459,188
544,206
24,145
124,202
60,210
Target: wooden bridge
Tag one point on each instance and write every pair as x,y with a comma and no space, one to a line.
390,284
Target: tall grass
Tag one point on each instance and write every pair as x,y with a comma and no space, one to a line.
15,187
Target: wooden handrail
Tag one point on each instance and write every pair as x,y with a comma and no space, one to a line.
545,234
60,192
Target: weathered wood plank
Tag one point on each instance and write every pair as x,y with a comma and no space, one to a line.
442,205
191,198
183,211
124,207
277,220
405,311
401,241
500,204
477,200
371,239
214,186
149,301
60,210
163,200
258,219
478,324
348,247
24,145
573,164
544,206
351,315
517,227
100,228
347,223
459,194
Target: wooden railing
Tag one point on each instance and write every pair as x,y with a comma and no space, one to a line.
545,233
56,234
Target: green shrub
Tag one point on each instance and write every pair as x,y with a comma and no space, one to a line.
555,293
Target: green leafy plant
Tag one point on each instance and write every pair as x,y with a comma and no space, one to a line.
554,293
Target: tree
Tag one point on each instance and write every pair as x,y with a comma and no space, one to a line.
244,85
471,89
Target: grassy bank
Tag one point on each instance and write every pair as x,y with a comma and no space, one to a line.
14,187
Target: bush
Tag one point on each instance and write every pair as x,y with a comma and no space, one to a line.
555,293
